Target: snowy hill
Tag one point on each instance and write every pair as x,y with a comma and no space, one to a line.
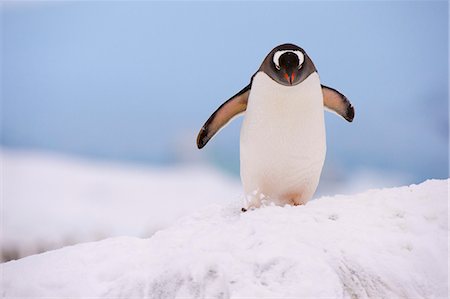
389,243
78,200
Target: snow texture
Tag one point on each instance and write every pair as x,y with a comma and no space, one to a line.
76,200
389,243
50,201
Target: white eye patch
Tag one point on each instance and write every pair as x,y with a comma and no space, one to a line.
276,57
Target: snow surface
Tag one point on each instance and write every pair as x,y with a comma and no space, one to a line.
389,243
49,201
52,200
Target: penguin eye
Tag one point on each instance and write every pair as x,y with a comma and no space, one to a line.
277,55
301,58
276,59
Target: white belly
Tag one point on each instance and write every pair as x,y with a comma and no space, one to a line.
283,141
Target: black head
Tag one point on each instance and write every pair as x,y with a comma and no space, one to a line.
288,65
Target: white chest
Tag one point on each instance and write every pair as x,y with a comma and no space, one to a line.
283,138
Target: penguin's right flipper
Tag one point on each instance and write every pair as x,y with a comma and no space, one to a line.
336,102
232,108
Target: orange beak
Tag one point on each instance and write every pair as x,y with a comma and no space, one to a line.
288,78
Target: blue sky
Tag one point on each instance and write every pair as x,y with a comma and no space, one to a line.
135,81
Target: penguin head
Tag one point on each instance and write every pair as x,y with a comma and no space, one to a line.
288,65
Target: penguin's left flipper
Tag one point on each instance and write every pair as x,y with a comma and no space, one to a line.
232,108
336,102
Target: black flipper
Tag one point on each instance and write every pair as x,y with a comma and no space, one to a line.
336,102
235,106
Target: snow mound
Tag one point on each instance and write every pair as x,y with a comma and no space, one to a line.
49,201
386,243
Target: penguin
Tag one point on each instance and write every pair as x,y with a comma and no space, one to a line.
282,138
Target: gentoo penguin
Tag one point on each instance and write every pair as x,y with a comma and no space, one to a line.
282,142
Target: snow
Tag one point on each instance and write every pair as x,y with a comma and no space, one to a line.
49,201
388,243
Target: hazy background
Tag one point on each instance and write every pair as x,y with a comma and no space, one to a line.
134,81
